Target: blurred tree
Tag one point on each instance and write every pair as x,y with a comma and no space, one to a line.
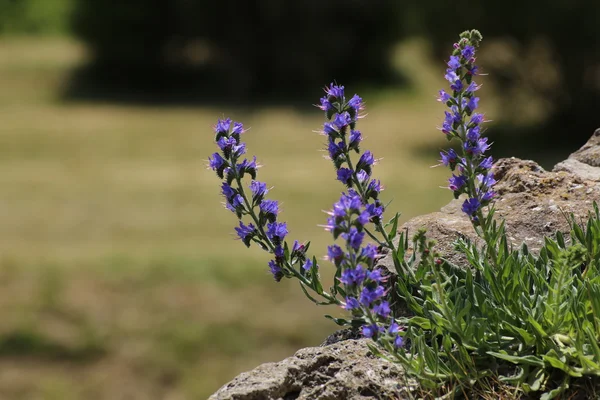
245,48
542,56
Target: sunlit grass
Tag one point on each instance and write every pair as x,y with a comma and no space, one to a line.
113,237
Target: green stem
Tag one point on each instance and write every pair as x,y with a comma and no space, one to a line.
378,226
330,298
484,231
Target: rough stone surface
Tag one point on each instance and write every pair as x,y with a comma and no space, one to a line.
585,161
344,370
532,201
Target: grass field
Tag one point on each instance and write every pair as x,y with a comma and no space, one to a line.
119,274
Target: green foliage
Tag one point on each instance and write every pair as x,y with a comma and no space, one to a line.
35,16
531,319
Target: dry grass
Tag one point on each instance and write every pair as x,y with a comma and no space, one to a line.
119,276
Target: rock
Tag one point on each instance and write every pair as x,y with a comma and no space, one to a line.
533,202
585,161
344,370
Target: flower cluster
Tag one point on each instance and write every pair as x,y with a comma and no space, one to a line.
473,175
266,230
365,297
342,138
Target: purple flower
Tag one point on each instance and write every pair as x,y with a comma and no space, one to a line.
362,176
245,233
446,127
307,265
226,144
375,276
374,188
259,189
237,201
449,158
365,161
486,163
476,118
344,175
227,190
297,247
487,196
457,182
374,210
348,204
368,296
473,103
335,253
269,207
472,87
223,125
363,218
444,97
335,149
487,180
454,62
471,206
277,230
335,91
326,104
468,52
369,252
382,309
329,129
355,139
354,238
351,303
478,147
238,128
394,328
473,133
276,270
354,276
240,149
278,252
216,162
398,342
451,76
457,85
356,103
369,330
247,166
472,69
342,120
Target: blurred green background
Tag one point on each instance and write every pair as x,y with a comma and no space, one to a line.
120,276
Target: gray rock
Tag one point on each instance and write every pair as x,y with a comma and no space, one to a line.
344,370
585,162
533,202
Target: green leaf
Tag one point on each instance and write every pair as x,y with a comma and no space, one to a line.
557,363
421,322
538,328
395,225
339,321
554,393
317,302
535,381
523,360
560,239
316,282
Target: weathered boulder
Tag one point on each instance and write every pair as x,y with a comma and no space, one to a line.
343,370
533,202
